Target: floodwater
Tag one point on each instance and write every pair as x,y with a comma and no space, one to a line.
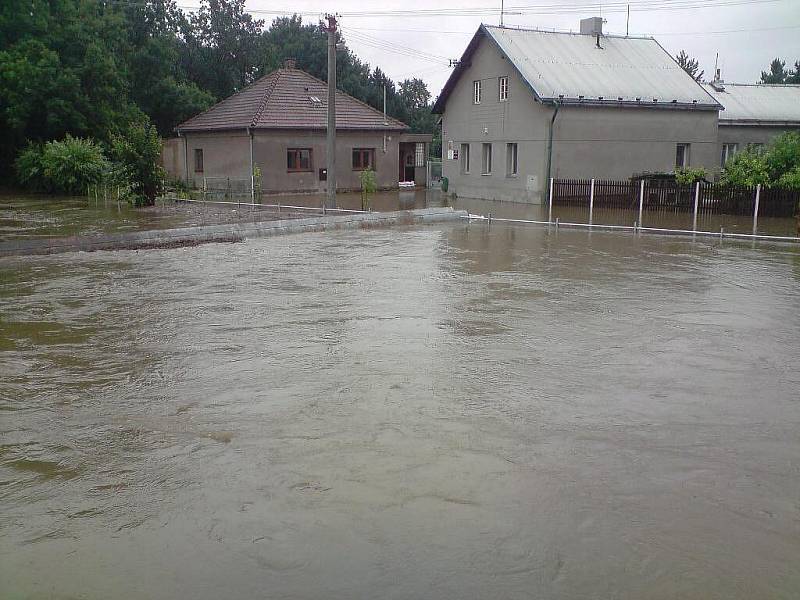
440,412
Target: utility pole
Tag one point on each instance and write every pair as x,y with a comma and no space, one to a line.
330,201
628,22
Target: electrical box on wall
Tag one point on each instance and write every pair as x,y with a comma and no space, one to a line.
323,174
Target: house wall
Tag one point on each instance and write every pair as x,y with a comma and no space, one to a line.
269,150
599,142
227,154
172,157
615,143
748,134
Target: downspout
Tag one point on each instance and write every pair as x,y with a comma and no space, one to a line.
550,142
252,173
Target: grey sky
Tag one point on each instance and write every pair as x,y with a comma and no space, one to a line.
748,34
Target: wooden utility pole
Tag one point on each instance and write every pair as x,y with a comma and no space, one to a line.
330,28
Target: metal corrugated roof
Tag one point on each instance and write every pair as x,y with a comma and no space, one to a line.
570,68
288,99
758,103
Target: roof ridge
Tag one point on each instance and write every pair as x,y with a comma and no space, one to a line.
604,35
262,105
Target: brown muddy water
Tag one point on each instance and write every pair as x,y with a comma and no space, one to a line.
442,412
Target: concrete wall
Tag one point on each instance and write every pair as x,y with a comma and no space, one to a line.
615,143
748,134
269,150
227,154
172,157
519,119
600,142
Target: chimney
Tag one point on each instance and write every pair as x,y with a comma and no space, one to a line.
592,26
289,63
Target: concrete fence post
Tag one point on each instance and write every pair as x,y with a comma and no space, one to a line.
641,201
591,202
755,209
550,203
696,205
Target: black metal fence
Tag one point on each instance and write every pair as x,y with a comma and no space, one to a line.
669,196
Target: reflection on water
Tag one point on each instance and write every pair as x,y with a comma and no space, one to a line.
448,412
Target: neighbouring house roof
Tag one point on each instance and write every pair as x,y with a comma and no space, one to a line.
569,68
288,99
757,104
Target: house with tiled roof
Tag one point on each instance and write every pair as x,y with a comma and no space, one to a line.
526,105
277,125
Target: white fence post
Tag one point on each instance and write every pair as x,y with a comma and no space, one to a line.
696,204
641,201
755,210
591,202
550,203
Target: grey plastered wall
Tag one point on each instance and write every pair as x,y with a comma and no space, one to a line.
615,143
748,134
599,142
225,154
269,154
172,156
519,119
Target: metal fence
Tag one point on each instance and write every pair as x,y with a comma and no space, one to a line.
669,196
434,175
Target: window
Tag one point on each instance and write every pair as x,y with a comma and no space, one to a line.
728,152
476,92
419,154
682,156
503,84
486,159
198,160
511,160
465,158
363,158
298,159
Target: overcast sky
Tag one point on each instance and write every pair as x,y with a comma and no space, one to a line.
748,34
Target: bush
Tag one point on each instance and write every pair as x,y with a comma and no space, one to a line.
68,166
777,165
138,151
369,185
687,176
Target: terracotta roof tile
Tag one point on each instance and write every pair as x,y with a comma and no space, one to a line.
288,99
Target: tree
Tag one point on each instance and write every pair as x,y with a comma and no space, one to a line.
777,72
138,151
690,65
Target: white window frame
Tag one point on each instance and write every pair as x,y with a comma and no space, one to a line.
512,159
419,154
486,158
687,149
476,91
728,152
503,88
465,159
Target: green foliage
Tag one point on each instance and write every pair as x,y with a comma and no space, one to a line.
689,175
777,165
138,151
369,185
89,68
68,166
690,65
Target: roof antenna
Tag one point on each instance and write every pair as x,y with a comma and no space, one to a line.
628,22
502,9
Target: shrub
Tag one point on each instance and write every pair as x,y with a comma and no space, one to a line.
687,176
747,168
369,185
138,151
67,166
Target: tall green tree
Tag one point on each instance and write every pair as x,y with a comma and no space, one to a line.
777,72
690,65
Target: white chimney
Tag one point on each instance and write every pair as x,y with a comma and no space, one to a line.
592,26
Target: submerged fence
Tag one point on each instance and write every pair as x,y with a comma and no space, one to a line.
661,196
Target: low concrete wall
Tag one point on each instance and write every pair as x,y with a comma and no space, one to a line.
236,232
